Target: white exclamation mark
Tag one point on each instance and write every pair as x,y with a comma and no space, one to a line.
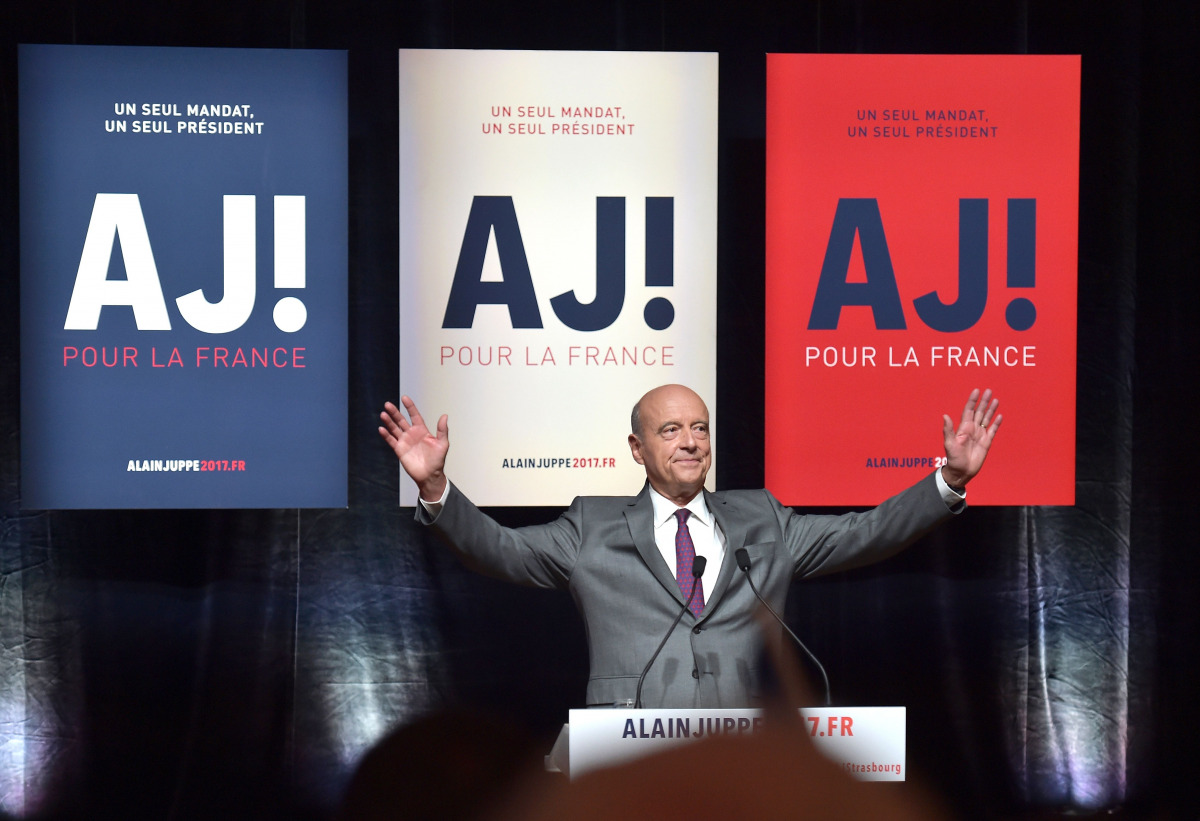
290,313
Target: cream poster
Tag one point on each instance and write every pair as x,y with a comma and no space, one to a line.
557,258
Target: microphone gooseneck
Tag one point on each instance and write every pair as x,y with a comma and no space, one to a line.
743,562
697,571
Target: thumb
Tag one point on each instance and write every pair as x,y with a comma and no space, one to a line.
443,428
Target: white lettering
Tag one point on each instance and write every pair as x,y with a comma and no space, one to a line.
238,300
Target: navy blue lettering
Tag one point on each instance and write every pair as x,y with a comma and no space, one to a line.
604,309
468,291
857,217
660,245
1022,261
972,274
660,259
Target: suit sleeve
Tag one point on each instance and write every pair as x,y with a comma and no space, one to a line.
538,556
825,544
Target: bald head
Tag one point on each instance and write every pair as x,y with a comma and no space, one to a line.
670,438
657,395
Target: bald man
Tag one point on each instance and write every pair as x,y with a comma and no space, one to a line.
627,560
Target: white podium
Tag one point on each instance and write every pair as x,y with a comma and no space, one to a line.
869,742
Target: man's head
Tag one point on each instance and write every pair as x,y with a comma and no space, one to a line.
670,439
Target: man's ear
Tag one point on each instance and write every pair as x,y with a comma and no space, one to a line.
635,447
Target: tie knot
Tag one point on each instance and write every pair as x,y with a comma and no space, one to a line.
682,515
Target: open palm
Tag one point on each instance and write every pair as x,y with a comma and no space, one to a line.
422,454
967,446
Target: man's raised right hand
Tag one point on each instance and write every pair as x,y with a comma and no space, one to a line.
421,454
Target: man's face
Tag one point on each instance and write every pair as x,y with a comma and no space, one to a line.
674,444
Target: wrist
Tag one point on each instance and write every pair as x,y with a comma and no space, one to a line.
955,481
433,489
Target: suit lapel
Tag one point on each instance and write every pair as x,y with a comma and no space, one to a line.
640,517
735,537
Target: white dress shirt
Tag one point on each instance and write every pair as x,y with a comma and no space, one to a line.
706,534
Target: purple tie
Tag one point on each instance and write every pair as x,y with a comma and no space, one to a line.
685,554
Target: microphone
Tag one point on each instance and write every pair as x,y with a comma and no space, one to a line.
698,564
743,563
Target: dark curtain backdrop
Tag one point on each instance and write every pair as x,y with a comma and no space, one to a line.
236,664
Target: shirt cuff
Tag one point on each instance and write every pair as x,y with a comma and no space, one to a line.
434,508
951,497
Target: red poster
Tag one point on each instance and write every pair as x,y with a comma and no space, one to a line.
922,220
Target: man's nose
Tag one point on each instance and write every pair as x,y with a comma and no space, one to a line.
687,440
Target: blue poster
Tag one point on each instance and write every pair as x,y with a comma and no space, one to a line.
183,277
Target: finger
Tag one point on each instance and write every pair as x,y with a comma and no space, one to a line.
990,412
982,408
443,427
388,437
393,417
968,414
947,426
413,413
995,427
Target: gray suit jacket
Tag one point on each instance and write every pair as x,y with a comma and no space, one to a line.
602,550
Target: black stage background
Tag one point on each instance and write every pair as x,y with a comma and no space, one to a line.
235,664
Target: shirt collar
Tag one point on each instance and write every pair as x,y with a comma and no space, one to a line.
664,508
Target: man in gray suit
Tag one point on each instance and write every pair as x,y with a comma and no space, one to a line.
618,556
